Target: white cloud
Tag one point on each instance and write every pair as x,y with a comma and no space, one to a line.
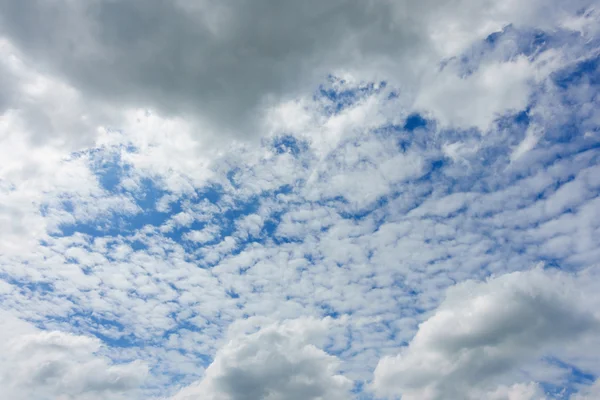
250,225
207,234
483,331
278,362
39,365
532,137
478,99
518,391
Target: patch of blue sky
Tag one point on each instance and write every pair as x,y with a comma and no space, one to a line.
289,144
112,225
575,379
584,72
146,198
110,173
411,135
116,223
414,121
150,193
339,94
97,326
107,164
106,328
516,123
41,288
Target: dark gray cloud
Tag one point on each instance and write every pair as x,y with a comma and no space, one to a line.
216,60
223,62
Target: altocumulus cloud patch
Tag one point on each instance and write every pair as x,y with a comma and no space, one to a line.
325,200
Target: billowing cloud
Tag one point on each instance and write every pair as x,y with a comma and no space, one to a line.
278,362
39,365
485,330
226,61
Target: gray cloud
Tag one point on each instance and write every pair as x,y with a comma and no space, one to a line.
225,61
201,58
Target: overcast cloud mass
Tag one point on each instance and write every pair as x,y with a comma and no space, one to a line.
299,200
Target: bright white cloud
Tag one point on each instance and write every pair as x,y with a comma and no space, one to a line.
39,365
478,99
485,330
518,391
278,362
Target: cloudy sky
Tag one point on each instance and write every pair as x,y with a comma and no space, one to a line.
299,200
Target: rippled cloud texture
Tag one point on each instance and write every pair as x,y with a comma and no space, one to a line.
240,200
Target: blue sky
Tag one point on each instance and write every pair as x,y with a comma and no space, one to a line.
421,225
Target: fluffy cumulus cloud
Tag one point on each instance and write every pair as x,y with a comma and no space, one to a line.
57,365
335,199
484,330
277,362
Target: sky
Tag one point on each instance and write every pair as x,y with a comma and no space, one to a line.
299,200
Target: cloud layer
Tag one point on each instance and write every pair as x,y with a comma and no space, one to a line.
315,200
226,61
